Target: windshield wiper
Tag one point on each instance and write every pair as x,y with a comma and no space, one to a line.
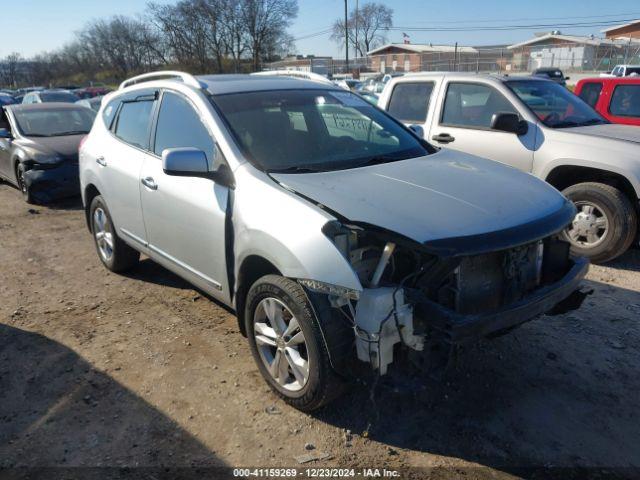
377,160
71,132
295,169
593,121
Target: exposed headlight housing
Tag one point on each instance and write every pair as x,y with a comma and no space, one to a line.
329,289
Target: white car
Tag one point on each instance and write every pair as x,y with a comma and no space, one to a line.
623,71
539,127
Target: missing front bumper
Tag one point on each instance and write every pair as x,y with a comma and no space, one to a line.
463,328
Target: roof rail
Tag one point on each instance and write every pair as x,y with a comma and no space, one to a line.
186,78
296,74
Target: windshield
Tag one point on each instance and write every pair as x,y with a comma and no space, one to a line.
314,130
58,97
52,122
554,105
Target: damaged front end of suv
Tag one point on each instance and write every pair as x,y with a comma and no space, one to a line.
430,296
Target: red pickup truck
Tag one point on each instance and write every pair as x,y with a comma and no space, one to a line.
616,99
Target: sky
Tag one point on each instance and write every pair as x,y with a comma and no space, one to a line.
34,26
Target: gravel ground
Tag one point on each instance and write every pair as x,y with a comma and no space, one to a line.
98,369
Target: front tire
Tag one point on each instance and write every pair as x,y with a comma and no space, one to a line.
287,343
22,184
606,222
115,254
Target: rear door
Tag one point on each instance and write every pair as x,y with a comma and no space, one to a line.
410,101
185,216
463,122
121,163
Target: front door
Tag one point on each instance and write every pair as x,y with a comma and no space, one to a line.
464,124
185,216
5,147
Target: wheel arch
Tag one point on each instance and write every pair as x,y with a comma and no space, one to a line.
251,269
564,176
90,192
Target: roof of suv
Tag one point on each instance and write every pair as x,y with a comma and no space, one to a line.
493,76
237,83
22,107
222,84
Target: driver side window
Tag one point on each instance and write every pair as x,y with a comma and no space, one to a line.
472,105
179,125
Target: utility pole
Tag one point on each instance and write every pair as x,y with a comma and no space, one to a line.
356,28
346,37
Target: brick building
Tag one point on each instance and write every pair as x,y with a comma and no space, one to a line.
626,31
408,57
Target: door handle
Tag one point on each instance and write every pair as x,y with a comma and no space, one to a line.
149,183
443,138
101,161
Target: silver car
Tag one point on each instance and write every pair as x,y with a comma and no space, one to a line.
335,233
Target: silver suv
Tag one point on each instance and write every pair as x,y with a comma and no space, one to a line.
334,231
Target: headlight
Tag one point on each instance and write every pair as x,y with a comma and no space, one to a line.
46,162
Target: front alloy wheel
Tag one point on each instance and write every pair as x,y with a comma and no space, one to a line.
281,344
287,343
22,184
606,222
590,226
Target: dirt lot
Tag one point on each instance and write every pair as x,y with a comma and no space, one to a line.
98,369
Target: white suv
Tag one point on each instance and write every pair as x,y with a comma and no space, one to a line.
332,229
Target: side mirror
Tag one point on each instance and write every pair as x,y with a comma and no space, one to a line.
418,130
5,133
567,78
509,122
191,162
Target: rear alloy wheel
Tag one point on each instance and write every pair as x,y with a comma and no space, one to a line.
287,343
22,184
115,254
605,223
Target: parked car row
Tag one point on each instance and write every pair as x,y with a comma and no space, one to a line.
39,148
335,229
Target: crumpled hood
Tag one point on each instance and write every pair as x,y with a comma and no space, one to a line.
441,196
65,147
629,133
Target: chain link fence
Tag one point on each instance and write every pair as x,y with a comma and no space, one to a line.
570,57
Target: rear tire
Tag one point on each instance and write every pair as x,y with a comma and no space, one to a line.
115,254
274,300
605,225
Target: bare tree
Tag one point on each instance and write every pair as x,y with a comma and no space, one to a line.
10,68
373,20
266,22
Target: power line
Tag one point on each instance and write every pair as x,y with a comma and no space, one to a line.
487,28
457,22
510,27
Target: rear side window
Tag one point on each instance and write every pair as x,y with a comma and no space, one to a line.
179,125
590,93
109,112
473,105
409,102
133,123
625,101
